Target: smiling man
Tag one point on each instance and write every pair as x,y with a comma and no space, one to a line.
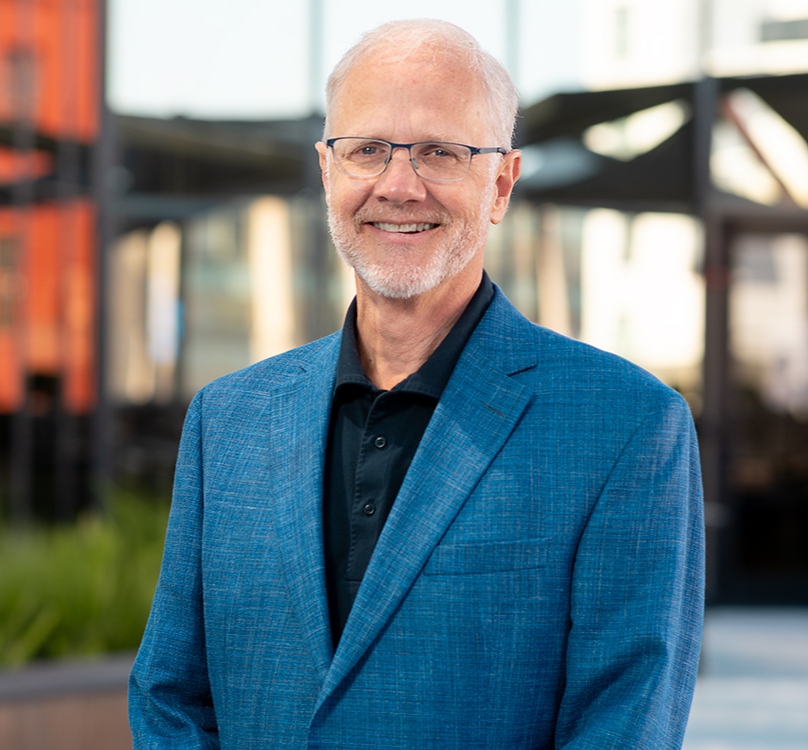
444,526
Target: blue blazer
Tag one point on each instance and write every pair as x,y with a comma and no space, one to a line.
538,583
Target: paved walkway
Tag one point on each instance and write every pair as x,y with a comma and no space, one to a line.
752,692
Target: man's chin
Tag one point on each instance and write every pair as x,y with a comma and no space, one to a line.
397,284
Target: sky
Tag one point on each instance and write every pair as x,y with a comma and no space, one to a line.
254,59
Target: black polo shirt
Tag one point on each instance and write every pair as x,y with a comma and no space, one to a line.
372,437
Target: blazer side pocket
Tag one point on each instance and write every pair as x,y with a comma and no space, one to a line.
487,557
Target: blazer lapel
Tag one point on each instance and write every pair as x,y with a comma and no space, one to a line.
477,412
296,481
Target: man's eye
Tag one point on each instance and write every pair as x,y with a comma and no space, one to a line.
438,151
367,150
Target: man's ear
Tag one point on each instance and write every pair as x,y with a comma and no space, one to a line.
507,175
322,150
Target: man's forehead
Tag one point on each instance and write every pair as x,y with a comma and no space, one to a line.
406,83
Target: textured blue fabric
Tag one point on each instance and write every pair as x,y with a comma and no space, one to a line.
538,583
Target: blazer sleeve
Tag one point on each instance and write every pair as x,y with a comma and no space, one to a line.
170,701
637,595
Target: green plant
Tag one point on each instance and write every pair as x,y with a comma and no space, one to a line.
80,589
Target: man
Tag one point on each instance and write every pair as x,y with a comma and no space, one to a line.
445,527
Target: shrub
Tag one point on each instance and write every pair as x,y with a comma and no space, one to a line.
80,589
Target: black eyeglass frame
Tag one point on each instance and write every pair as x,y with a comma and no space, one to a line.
474,150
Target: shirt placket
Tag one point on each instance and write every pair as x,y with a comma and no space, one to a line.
371,503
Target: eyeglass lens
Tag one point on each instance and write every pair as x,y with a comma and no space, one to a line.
360,157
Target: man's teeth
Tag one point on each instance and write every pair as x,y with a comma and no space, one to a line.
422,227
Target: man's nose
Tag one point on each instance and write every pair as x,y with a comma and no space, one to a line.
399,181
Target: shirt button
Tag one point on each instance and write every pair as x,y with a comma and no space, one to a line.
369,509
380,442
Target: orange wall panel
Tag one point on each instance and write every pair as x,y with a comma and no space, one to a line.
14,167
48,51
43,290
10,383
79,320
62,40
52,331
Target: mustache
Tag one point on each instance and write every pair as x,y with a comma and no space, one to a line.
399,215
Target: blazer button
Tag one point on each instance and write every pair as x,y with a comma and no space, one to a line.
369,509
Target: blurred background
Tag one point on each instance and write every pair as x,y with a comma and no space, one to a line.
162,223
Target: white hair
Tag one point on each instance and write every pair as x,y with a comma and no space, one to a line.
399,39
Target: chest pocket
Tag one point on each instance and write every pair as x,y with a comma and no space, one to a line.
487,557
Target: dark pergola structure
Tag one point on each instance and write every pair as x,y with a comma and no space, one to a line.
675,177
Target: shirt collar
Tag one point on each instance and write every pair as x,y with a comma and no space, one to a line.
431,378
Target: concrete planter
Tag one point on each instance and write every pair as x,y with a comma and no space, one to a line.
73,705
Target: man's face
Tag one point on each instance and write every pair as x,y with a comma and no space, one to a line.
402,234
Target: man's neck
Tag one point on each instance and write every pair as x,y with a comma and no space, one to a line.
396,336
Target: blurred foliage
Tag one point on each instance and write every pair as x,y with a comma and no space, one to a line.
80,589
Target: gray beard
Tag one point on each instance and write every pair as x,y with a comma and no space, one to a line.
398,279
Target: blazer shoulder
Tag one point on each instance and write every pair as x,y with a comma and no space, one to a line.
279,371
553,361
610,376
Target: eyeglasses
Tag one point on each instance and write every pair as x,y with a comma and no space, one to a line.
433,160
